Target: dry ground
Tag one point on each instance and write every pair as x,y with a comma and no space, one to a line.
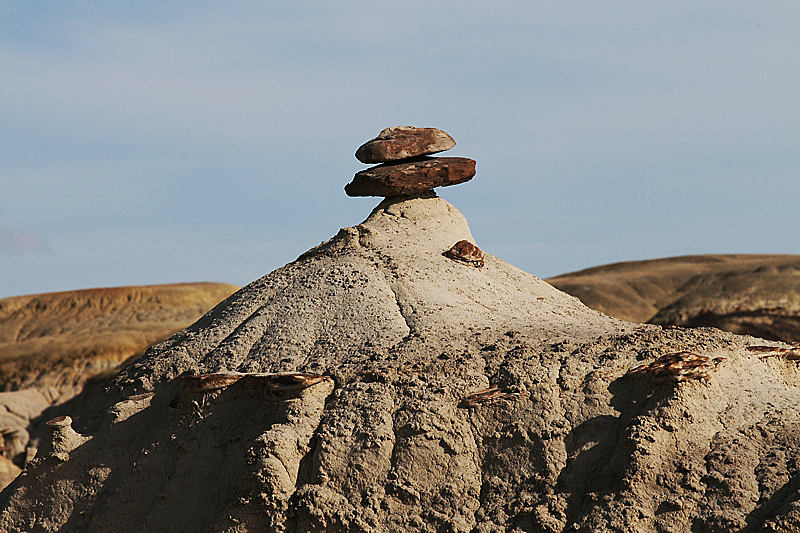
755,295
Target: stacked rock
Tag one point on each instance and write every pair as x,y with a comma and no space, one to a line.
405,166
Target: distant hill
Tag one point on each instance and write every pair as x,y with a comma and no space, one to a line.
44,333
755,295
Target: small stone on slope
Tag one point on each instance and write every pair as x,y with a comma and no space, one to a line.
466,252
402,142
411,177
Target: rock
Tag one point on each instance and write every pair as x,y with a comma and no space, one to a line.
411,177
679,367
277,382
466,252
402,142
790,354
62,438
8,471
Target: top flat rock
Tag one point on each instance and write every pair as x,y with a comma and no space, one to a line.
402,142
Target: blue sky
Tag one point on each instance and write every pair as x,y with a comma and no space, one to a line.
160,142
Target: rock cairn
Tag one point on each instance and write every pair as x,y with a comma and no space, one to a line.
405,167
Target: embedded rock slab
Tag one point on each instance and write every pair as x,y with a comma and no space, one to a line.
375,384
466,252
411,177
402,142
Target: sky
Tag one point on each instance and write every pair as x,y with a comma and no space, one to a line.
175,141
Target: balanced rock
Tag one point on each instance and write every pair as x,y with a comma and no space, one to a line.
402,142
411,177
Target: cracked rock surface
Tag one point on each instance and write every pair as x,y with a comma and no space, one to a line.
461,399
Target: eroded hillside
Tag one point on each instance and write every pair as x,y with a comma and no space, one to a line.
54,333
755,295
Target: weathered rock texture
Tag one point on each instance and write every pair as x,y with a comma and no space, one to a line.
8,471
411,177
402,142
460,399
755,295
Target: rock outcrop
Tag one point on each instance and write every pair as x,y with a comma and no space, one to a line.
376,384
466,252
404,142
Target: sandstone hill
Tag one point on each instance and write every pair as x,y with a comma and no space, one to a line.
398,378
755,295
52,344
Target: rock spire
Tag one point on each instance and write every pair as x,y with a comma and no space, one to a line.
405,167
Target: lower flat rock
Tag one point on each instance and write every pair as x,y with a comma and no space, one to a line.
411,177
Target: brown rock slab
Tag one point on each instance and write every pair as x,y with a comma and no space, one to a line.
411,177
402,142
789,354
492,394
679,367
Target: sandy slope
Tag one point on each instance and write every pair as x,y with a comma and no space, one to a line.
392,439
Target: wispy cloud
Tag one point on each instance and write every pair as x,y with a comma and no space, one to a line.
18,242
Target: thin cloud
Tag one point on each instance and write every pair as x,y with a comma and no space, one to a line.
18,242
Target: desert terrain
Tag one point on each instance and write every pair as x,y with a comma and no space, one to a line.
383,382
398,377
756,295
54,346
